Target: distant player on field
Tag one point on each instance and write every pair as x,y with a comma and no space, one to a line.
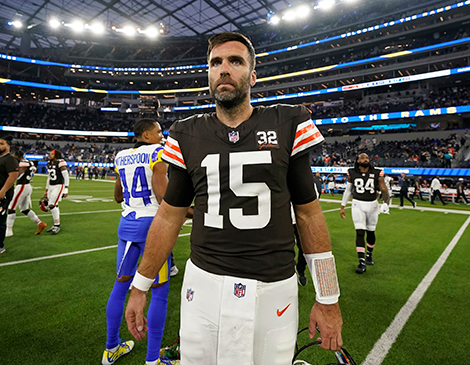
388,183
22,197
140,185
364,180
57,186
8,176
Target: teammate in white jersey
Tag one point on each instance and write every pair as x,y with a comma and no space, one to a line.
140,185
57,186
22,197
388,183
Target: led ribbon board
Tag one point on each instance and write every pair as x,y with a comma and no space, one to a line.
365,85
395,115
399,170
287,49
292,74
66,132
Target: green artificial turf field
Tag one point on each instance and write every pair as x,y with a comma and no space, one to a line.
54,289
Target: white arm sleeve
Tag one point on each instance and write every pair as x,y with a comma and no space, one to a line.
347,194
47,182
65,174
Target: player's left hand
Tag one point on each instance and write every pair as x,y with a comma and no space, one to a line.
329,321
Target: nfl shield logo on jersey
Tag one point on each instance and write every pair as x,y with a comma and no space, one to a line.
239,290
190,295
233,136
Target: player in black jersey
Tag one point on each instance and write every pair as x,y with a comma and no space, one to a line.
57,186
8,175
243,166
22,197
363,183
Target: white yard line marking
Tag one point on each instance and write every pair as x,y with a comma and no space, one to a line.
73,213
56,256
67,254
418,208
388,338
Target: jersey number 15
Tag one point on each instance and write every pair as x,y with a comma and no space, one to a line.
259,190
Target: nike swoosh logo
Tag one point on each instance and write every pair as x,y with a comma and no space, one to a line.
280,313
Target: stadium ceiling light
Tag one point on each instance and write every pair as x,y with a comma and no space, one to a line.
326,4
76,25
97,28
151,32
275,19
16,24
129,30
303,11
289,15
54,23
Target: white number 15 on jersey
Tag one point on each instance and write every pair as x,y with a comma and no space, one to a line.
259,190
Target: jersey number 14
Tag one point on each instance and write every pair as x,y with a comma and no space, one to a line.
139,177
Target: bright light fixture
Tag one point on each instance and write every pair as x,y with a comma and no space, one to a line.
128,30
326,4
97,28
275,20
303,11
289,15
16,24
151,32
76,25
54,23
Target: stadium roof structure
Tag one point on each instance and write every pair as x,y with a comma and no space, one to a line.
175,18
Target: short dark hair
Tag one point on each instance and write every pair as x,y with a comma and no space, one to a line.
8,138
142,125
19,153
225,37
57,154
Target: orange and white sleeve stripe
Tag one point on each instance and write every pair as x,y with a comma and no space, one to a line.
172,153
307,135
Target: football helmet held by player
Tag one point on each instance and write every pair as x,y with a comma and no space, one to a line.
342,356
44,204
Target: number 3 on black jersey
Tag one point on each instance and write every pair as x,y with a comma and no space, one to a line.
259,190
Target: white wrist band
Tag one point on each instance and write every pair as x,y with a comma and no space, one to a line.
141,282
325,281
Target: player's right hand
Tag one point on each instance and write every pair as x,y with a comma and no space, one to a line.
384,209
343,213
136,322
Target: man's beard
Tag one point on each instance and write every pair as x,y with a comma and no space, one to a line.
230,100
364,164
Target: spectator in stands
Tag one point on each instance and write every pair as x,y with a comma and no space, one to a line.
448,159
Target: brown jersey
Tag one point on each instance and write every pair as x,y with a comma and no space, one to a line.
242,223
